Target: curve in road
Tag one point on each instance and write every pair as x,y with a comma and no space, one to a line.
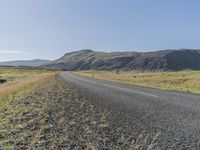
174,115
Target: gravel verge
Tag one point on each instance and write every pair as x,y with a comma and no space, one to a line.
54,116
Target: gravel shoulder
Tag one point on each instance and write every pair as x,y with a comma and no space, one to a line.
54,116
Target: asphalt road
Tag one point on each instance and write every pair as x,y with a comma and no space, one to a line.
173,116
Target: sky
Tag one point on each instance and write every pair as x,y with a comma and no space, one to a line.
48,29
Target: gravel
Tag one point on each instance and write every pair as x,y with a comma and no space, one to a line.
55,116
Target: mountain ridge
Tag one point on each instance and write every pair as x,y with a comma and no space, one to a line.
87,59
173,59
28,63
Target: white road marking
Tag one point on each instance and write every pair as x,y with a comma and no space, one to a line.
131,90
115,87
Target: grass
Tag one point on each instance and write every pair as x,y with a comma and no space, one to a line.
13,88
19,88
188,81
20,79
12,73
13,110
90,147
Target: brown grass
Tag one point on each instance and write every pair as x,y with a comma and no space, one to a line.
12,88
187,80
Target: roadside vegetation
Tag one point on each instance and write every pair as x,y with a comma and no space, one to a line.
188,81
46,113
14,73
20,79
12,109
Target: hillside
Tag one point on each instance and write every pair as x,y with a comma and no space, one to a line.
158,60
29,63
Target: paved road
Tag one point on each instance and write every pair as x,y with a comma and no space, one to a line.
175,116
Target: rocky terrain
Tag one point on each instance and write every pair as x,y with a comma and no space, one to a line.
54,116
158,60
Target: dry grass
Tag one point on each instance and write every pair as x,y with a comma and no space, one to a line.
188,81
20,78
14,73
10,106
14,87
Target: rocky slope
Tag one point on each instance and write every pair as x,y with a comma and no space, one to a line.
158,60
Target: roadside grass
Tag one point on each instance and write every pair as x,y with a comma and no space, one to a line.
9,89
20,79
12,110
18,88
187,80
12,73
51,115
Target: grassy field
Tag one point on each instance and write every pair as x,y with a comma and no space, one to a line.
21,79
12,73
188,81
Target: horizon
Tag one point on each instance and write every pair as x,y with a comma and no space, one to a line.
95,51
48,29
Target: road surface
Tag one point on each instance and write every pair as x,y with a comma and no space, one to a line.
173,116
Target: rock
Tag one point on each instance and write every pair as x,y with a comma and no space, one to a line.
2,81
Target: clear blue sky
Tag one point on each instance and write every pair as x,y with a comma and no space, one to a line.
49,28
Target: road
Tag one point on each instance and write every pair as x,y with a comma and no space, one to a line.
175,116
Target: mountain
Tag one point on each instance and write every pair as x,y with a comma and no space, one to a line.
157,60
28,63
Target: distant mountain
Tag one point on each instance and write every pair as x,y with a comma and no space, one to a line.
28,63
157,60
